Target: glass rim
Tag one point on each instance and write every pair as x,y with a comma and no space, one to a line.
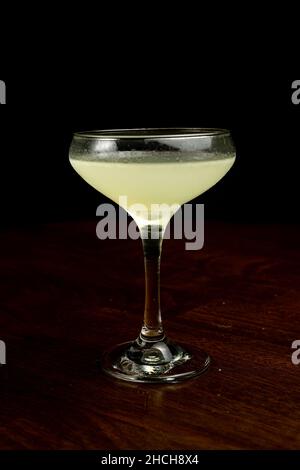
153,133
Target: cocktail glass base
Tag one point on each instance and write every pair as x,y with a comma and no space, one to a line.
159,361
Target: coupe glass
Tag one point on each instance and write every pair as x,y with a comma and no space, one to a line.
148,168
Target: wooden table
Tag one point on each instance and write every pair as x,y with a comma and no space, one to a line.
65,296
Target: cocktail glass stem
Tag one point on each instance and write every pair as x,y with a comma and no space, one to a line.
152,356
152,237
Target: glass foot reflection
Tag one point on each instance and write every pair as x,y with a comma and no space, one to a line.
154,361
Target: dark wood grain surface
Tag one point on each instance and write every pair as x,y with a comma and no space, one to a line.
65,296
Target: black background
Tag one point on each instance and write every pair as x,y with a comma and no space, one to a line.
55,87
44,107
